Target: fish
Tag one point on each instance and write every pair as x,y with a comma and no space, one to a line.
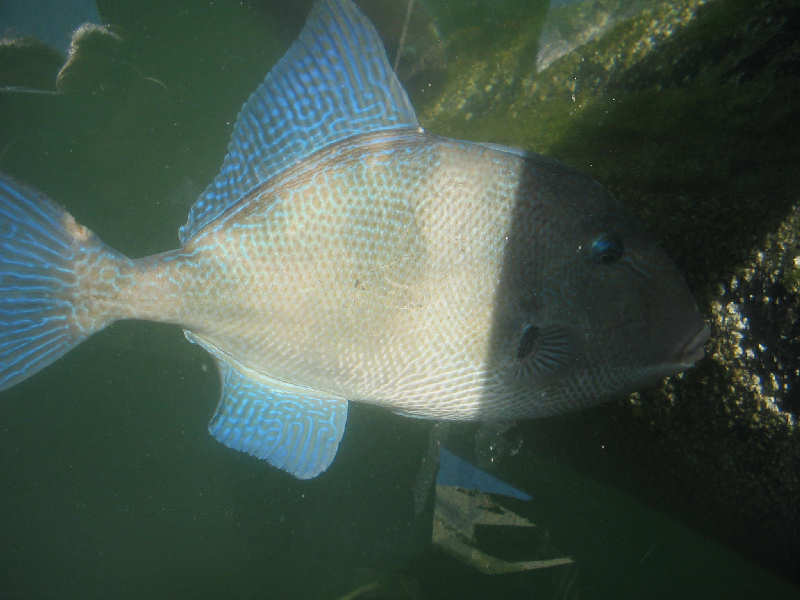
345,254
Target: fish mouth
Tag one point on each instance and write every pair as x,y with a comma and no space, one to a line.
693,350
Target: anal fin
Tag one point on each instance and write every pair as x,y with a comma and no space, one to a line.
292,429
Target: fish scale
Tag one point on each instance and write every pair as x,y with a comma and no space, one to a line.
344,254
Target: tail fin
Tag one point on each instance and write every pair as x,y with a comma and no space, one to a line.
38,246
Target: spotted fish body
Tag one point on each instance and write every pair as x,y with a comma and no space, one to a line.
343,253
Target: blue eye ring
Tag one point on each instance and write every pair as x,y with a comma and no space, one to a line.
607,248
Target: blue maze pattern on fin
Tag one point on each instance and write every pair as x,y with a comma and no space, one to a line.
334,82
292,431
36,253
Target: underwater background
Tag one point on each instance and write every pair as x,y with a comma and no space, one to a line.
687,110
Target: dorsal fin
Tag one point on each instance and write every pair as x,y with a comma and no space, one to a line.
333,82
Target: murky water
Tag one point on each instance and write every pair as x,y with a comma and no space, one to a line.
114,489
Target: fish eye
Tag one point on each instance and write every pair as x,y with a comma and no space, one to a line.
607,248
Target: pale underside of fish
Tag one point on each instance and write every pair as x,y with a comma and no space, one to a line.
344,254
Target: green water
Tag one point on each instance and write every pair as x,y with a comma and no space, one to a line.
111,485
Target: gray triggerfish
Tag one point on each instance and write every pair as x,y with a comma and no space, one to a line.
344,254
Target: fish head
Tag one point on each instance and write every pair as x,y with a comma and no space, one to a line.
589,306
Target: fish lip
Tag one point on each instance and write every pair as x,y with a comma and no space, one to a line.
693,350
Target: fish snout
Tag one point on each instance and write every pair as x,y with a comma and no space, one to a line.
692,349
